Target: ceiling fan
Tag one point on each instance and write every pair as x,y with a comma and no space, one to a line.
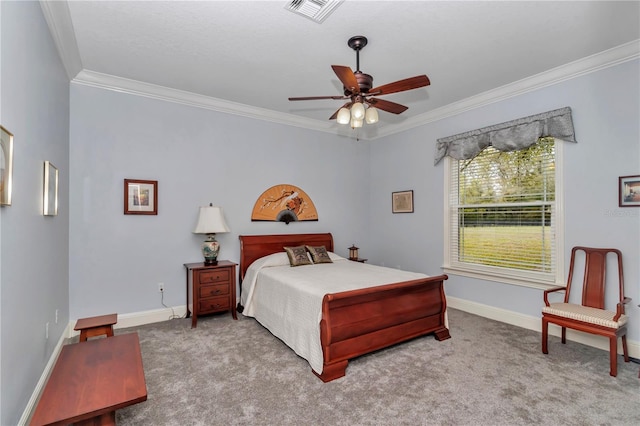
358,90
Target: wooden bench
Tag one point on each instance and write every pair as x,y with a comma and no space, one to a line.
96,326
91,380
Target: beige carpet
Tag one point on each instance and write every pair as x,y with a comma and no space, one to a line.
489,373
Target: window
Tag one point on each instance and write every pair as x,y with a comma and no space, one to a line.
503,215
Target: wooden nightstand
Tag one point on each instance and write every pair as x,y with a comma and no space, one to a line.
210,289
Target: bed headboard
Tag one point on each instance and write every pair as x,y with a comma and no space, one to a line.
253,247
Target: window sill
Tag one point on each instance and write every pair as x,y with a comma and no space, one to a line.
540,283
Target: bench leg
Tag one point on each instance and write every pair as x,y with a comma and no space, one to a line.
96,331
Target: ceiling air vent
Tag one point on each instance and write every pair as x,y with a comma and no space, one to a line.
316,10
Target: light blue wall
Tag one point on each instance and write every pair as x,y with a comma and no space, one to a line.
35,260
197,156
606,113
93,259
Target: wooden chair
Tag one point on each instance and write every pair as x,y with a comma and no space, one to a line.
590,316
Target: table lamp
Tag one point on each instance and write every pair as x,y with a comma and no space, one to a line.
211,222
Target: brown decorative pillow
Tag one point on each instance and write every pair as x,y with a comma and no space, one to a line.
298,256
319,254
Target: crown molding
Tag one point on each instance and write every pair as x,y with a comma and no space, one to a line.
139,88
58,18
608,58
605,59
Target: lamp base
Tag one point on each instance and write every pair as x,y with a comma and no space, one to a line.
210,249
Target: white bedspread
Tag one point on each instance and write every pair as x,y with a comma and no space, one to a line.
288,300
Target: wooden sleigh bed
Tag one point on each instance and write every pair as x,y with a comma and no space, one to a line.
358,322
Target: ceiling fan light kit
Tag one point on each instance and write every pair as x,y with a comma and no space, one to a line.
363,104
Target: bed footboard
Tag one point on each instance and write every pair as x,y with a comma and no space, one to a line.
362,321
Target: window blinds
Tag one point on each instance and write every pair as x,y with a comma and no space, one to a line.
502,207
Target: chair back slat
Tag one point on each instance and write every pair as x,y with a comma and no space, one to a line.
595,270
595,275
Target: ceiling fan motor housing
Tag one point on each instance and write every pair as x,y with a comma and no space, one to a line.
365,82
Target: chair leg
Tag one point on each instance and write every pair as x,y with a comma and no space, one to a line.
564,335
545,335
624,348
613,356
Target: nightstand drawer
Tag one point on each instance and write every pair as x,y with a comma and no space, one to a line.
214,290
214,304
214,276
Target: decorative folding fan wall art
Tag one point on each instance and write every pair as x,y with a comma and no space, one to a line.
284,203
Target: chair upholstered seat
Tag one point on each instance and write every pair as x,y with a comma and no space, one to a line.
585,314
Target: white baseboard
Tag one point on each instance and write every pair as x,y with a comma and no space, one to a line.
139,318
535,323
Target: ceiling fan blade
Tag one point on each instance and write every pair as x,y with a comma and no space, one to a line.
388,106
335,114
347,77
314,98
400,85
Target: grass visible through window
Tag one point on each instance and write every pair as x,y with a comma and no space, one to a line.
496,246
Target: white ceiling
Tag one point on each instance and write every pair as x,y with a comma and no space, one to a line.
248,57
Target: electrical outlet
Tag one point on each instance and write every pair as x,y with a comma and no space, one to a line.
57,315
160,287
46,331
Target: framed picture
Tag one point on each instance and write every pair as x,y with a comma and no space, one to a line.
402,202
6,166
50,190
629,191
140,196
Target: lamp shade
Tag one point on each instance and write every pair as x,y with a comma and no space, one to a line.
371,116
344,116
211,221
357,111
355,124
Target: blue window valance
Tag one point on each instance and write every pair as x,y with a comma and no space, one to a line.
512,135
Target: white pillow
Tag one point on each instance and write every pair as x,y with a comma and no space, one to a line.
335,257
275,259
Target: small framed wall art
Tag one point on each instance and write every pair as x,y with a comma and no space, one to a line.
50,190
402,202
140,196
6,166
629,191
